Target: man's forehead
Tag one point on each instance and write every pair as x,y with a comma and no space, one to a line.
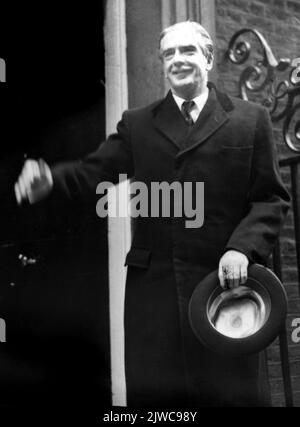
181,37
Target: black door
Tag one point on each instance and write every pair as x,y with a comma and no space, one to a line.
53,258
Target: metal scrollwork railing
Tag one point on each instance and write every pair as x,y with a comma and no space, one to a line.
276,83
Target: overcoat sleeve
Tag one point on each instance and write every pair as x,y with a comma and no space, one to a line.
268,198
79,179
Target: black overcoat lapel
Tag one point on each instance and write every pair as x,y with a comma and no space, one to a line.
168,120
211,119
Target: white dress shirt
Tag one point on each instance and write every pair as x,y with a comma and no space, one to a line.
199,101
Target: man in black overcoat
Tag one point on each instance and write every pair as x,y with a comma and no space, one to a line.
196,134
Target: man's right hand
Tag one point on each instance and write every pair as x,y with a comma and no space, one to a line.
35,182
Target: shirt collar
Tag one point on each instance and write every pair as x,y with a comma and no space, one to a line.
200,100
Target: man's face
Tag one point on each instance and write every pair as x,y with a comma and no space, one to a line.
184,63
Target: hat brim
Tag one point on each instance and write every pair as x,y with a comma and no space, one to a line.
261,280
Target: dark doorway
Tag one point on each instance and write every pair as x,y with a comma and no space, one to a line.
56,308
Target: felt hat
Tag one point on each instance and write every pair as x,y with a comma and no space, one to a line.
238,321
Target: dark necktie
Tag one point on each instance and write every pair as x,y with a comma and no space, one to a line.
186,109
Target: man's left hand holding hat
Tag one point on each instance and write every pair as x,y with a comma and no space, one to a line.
233,269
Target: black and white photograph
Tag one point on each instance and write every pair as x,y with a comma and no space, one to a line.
150,209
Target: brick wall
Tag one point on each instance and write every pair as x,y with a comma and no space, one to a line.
279,22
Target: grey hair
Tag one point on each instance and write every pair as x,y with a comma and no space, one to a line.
207,47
